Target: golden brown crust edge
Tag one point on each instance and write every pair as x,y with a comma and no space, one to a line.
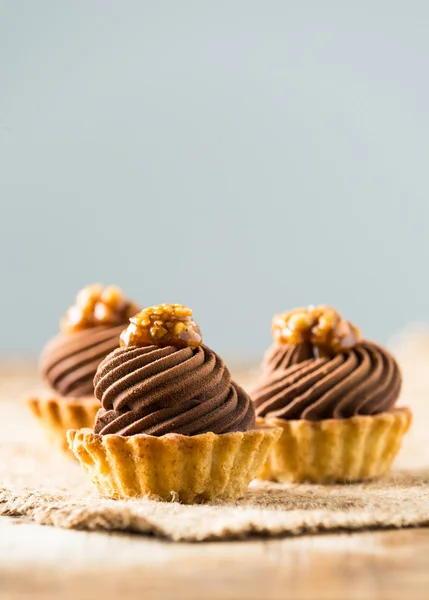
189,469
336,450
58,414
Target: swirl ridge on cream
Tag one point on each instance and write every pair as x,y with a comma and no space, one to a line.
157,391
70,360
295,384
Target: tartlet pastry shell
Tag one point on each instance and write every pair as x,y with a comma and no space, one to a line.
189,469
335,450
58,414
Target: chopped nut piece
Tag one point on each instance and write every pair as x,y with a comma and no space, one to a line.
321,326
97,306
163,325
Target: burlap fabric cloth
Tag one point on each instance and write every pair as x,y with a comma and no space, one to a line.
38,484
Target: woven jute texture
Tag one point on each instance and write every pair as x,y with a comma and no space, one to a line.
40,484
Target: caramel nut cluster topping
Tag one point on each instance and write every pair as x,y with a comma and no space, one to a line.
321,326
96,306
163,325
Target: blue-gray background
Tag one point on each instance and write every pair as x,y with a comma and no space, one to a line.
240,157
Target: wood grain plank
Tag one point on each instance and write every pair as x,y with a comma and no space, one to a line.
42,562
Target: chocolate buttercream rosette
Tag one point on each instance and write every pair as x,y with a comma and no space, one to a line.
334,395
89,331
172,424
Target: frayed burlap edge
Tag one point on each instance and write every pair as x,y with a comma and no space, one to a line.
267,510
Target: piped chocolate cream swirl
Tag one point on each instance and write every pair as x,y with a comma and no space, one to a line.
171,383
70,360
169,390
90,331
304,381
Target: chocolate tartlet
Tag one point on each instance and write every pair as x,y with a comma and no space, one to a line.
88,332
334,396
172,423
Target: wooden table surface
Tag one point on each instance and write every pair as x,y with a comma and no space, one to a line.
49,563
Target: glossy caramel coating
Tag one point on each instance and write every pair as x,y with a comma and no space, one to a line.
322,326
163,325
95,306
